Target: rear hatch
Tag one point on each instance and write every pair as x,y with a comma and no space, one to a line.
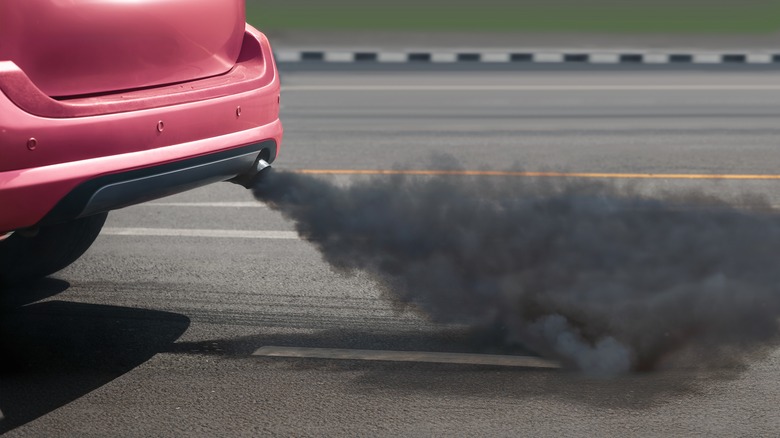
83,47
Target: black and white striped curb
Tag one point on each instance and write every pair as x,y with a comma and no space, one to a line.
535,57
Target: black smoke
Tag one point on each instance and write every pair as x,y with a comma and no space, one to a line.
592,274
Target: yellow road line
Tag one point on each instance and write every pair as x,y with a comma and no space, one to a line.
540,87
541,174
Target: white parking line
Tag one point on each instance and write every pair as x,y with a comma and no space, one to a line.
184,232
724,87
406,356
208,204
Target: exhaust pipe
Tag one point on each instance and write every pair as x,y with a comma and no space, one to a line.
250,177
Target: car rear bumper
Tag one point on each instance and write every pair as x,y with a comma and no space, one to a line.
175,137
69,190
119,190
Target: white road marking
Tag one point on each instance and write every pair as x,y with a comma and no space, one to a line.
544,57
743,87
656,58
707,58
392,57
495,57
406,356
759,58
250,204
339,56
287,56
443,57
183,232
604,58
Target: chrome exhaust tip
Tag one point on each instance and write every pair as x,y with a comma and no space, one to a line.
250,177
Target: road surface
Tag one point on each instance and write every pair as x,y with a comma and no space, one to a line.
153,332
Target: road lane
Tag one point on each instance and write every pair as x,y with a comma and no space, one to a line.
464,88
524,174
407,356
184,232
154,335
607,131
245,204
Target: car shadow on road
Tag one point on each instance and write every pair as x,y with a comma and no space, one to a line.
634,391
54,352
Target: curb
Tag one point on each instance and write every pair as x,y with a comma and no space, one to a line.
629,57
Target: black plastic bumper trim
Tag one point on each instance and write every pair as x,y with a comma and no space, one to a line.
118,190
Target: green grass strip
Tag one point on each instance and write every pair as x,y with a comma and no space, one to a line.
619,16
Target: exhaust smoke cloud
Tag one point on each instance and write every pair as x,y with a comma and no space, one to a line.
589,273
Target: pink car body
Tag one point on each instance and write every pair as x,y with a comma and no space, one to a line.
107,103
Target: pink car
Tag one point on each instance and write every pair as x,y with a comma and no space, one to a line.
108,103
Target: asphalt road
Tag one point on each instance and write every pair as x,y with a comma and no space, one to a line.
153,335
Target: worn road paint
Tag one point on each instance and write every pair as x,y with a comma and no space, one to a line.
183,232
406,356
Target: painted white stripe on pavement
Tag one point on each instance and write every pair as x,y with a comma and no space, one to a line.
208,204
287,56
759,58
339,56
708,58
406,356
495,57
531,88
656,58
548,57
183,232
604,58
392,57
443,57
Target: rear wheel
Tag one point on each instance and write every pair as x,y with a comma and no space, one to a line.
26,256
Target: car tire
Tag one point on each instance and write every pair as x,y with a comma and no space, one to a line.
28,256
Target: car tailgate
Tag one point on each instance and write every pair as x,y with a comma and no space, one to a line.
72,48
